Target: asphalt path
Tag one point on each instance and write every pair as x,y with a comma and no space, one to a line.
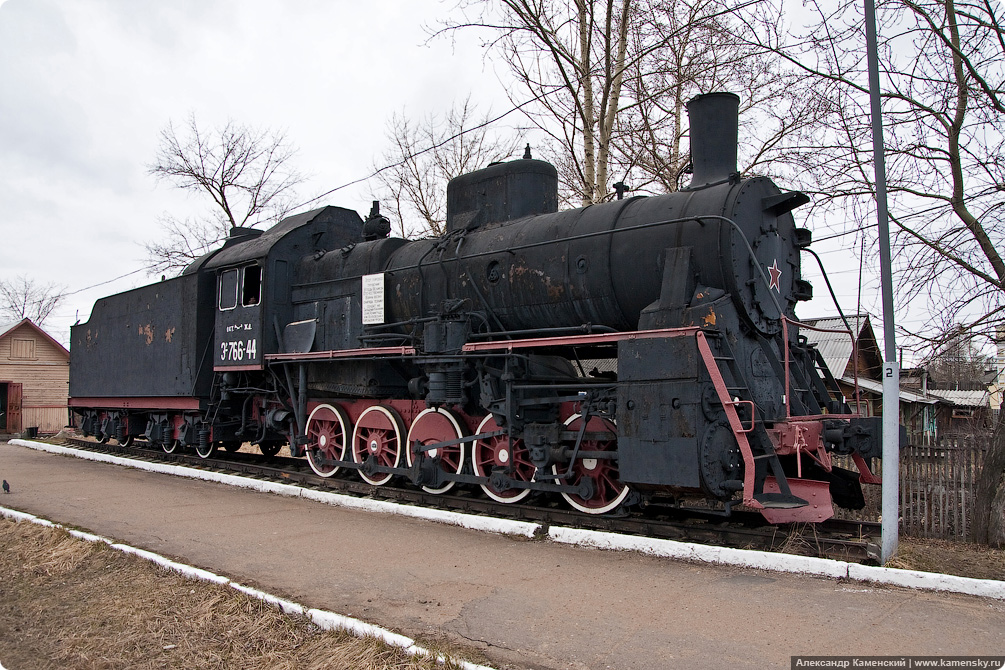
522,603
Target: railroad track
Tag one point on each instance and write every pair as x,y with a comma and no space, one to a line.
855,541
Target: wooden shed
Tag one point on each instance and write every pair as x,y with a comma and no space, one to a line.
34,379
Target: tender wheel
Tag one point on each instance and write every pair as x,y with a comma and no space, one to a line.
378,436
231,445
102,438
207,451
327,430
500,452
609,492
437,425
171,446
270,449
127,441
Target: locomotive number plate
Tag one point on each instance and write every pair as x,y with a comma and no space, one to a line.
239,350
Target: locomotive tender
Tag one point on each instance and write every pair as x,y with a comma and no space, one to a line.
637,349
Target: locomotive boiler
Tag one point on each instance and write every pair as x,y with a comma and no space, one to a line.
612,354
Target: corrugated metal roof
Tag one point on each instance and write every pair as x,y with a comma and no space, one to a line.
835,347
907,395
836,351
979,398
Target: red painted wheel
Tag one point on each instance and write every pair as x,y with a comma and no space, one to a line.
609,492
378,436
438,425
501,452
327,429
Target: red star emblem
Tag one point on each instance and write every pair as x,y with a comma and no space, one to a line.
775,275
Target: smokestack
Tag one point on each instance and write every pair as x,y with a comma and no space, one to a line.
714,118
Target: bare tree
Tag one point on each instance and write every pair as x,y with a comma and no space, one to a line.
610,81
22,298
959,364
571,58
246,173
426,154
942,68
183,241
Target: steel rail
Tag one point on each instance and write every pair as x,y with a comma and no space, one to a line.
835,538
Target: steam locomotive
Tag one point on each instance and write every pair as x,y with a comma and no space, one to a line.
640,349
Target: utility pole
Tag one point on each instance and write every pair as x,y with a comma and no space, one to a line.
890,528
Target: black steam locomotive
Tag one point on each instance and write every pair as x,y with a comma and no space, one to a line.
636,349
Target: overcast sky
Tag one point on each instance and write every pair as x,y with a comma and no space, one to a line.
87,85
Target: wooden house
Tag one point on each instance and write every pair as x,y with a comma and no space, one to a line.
853,357
34,379
856,361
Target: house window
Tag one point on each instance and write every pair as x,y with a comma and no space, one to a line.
22,350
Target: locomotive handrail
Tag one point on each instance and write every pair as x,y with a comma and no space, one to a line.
854,353
571,238
837,305
586,328
753,257
736,403
734,420
572,340
341,353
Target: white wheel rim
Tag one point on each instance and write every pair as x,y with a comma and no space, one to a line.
589,464
458,433
343,421
399,430
485,487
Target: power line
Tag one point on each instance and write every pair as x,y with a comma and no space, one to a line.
109,281
847,232
439,144
404,160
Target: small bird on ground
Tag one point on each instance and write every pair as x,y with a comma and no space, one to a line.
6,486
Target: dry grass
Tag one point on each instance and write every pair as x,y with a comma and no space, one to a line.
952,558
962,559
67,603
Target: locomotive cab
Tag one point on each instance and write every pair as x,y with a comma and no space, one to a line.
254,279
239,316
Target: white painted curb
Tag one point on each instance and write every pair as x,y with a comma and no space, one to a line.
504,526
747,558
765,560
322,618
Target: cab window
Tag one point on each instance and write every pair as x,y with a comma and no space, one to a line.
228,289
252,285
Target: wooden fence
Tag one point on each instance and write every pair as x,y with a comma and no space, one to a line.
938,483
938,486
